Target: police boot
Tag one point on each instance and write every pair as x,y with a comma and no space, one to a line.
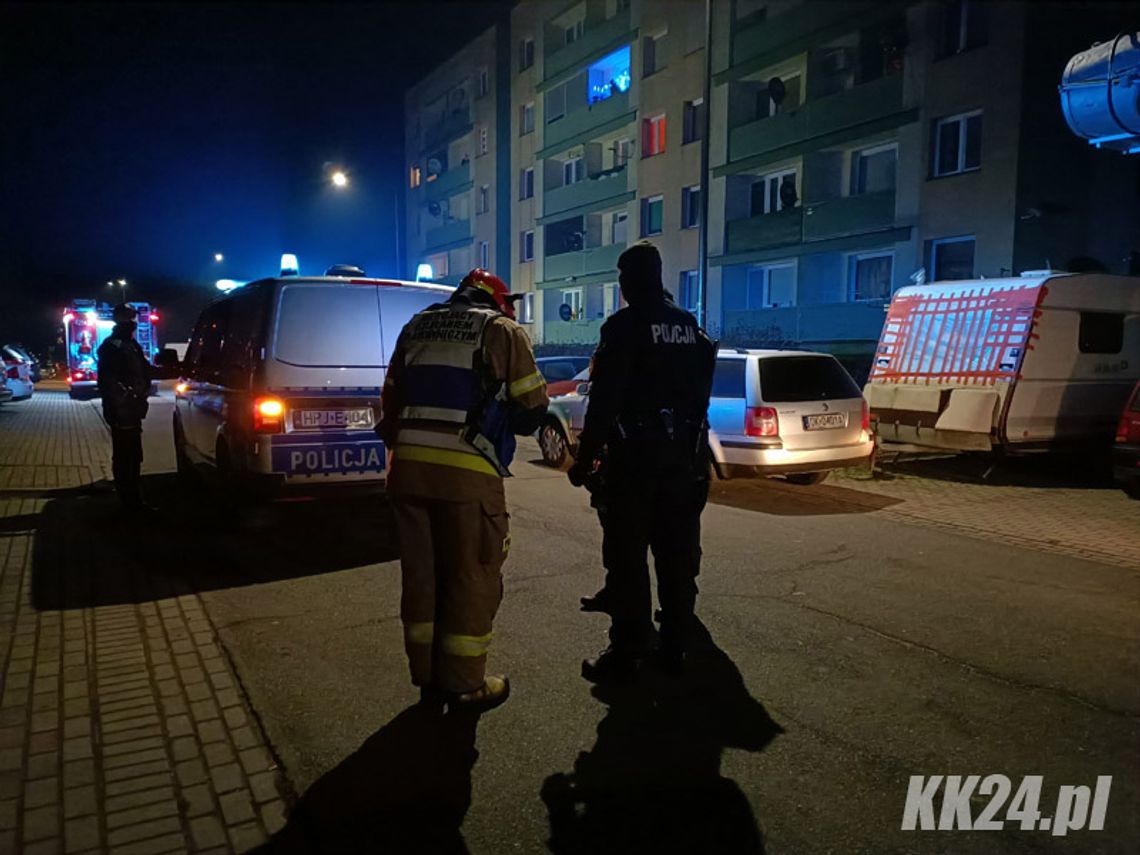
600,602
612,666
494,691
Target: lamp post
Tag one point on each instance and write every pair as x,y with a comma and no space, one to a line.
119,283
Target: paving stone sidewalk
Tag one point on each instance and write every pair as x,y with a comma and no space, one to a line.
122,725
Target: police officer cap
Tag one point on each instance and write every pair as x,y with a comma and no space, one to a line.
123,312
641,260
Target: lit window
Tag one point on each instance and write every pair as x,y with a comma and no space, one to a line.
415,176
609,76
572,297
526,245
652,215
957,143
952,258
653,136
870,275
694,121
690,207
611,298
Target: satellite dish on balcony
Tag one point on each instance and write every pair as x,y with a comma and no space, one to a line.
777,91
434,209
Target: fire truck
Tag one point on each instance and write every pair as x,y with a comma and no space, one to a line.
86,325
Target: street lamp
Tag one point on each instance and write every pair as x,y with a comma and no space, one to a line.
218,256
119,283
339,179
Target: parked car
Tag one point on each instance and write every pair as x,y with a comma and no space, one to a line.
28,357
772,412
18,372
567,387
1126,452
5,392
280,388
561,370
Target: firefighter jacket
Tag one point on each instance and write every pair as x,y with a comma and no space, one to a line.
124,379
462,381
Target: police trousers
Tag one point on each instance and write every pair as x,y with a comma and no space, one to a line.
663,517
126,464
451,559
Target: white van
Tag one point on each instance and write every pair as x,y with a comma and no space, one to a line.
280,388
1045,360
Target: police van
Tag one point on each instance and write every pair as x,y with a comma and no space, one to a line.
280,388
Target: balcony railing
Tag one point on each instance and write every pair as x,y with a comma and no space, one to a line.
585,192
582,120
446,183
765,231
850,108
850,215
594,38
572,332
600,259
453,232
450,127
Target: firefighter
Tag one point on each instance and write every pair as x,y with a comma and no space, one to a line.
649,397
461,383
124,383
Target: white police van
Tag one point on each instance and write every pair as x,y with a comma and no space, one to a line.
280,387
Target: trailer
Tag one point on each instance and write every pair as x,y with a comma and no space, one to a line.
86,325
1037,362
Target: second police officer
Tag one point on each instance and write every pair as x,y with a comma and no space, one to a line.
648,408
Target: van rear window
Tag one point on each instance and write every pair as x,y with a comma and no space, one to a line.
787,379
328,326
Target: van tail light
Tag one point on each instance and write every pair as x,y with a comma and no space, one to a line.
761,421
866,424
13,372
268,415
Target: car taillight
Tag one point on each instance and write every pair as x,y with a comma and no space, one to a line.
181,388
268,415
761,421
13,372
866,416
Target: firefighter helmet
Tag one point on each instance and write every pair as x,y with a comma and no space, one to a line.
487,281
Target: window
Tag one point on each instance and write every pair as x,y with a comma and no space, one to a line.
526,183
652,215
653,53
526,119
694,121
873,169
622,151
483,200
957,143
484,254
484,82
351,312
794,379
609,75
771,286
572,297
620,228
611,299
1101,332
690,207
483,139
573,170
555,104
952,258
575,31
653,136
687,290
526,54
728,378
870,275
524,309
774,192
415,176
965,26
526,245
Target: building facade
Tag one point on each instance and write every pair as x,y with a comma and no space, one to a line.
854,147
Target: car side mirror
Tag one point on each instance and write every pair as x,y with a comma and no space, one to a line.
583,388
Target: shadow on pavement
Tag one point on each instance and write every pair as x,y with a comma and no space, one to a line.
1046,471
778,498
652,782
85,553
406,789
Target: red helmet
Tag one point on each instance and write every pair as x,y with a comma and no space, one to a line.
493,285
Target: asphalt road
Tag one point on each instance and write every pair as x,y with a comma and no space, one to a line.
846,652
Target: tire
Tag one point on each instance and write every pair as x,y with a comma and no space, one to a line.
554,445
806,479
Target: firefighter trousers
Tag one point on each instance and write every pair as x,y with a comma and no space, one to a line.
451,559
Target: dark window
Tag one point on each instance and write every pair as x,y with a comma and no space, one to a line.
788,379
690,207
952,259
328,326
652,215
965,26
957,144
1101,332
728,378
242,345
526,54
694,121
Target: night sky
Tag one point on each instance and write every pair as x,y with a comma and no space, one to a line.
140,139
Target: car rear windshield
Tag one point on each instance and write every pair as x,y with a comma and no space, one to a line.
787,379
328,326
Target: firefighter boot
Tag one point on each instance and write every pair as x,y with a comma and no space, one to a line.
494,691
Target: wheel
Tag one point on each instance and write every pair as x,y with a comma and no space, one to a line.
806,479
552,442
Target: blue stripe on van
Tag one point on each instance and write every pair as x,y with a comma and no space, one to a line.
438,386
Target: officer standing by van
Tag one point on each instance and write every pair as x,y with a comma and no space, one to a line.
648,407
124,383
461,384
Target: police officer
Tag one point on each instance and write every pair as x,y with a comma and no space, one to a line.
124,383
649,397
461,383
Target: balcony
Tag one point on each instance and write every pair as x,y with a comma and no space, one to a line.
450,127
565,131
851,215
454,232
772,39
588,192
853,108
601,259
448,183
765,231
572,332
597,38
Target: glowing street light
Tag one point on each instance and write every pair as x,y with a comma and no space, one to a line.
219,257
339,179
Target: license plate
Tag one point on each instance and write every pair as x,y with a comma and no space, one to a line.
357,417
825,421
